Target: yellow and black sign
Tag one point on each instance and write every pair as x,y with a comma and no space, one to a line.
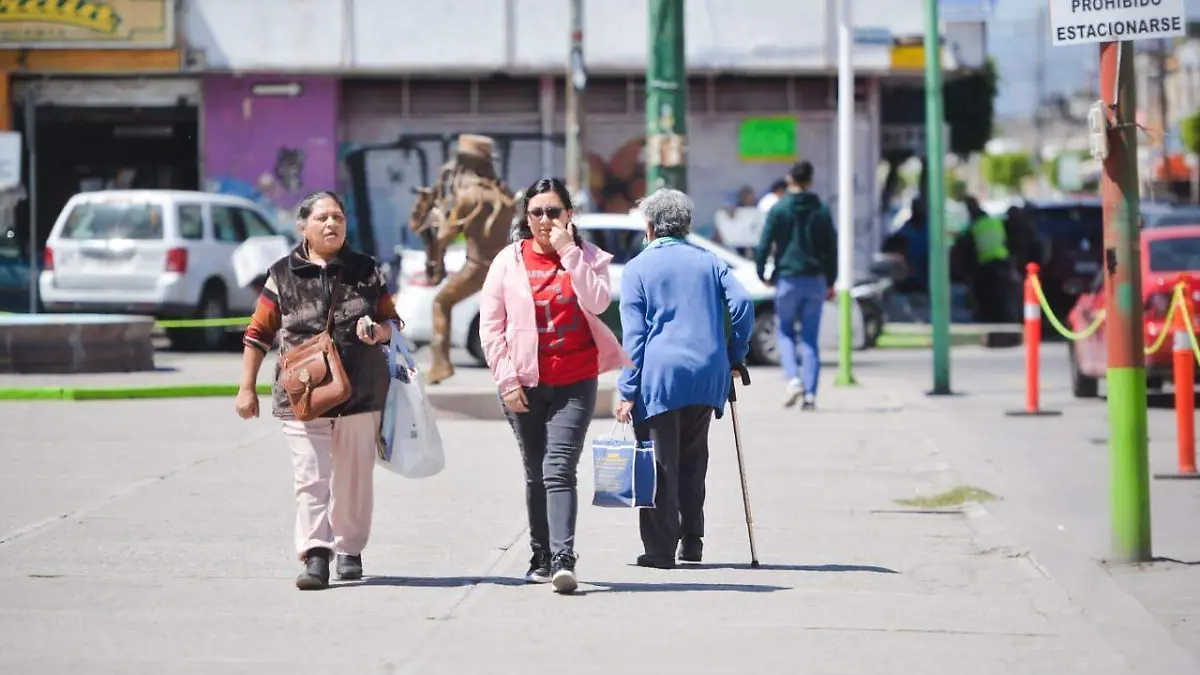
87,24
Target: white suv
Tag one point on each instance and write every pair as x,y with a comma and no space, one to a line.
164,253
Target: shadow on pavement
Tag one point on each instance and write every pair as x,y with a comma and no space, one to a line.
429,582
670,587
793,568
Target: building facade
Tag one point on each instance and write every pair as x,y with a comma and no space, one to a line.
274,98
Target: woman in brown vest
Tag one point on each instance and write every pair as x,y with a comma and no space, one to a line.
333,454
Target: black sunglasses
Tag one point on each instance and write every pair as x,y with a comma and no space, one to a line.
551,213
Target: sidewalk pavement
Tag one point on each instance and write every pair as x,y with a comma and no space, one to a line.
1052,475
155,536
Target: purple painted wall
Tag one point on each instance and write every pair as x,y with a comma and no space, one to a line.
271,149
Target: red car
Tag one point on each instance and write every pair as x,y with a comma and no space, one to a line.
1166,254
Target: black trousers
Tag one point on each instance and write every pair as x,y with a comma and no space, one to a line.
551,437
681,447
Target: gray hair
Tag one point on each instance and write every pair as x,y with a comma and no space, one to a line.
669,211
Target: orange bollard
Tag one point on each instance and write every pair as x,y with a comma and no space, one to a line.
1033,343
1185,388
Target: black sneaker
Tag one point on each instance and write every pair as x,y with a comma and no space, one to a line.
539,568
691,549
562,573
316,570
349,567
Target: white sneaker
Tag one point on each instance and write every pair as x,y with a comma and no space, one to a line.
794,389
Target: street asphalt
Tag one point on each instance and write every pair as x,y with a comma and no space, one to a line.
155,537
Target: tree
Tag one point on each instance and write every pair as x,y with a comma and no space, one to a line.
1007,170
1191,132
970,109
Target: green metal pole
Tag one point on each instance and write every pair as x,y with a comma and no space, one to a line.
666,98
1128,435
845,218
935,204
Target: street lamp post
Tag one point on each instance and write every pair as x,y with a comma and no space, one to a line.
845,207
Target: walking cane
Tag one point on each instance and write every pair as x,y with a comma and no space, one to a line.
737,444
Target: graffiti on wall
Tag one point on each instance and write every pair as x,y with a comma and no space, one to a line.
275,188
270,149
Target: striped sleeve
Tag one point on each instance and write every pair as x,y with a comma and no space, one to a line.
265,322
385,308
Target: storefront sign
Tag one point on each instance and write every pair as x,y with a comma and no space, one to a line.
87,24
1076,22
767,139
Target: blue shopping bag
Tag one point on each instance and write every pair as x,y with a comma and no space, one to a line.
626,475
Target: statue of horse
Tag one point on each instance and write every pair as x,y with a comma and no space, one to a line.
470,200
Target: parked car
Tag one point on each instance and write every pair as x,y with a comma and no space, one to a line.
162,253
1071,234
622,236
1166,253
1169,215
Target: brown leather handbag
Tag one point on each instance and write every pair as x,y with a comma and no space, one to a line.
312,373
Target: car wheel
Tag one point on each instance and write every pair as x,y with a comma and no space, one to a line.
1082,386
764,345
872,323
212,305
474,345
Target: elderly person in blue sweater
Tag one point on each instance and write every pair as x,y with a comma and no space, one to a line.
674,297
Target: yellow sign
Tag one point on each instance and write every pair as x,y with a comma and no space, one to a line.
87,24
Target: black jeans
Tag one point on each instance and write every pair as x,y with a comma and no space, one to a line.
551,437
681,449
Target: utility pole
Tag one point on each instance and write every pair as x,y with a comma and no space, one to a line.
1039,114
666,98
576,174
1129,473
845,218
935,204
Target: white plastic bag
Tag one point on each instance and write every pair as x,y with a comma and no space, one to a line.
410,443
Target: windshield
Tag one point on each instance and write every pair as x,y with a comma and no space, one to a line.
1071,223
114,220
623,244
1178,254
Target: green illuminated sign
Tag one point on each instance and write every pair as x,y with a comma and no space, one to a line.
767,139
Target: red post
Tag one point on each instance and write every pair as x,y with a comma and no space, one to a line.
1185,383
1033,340
1033,344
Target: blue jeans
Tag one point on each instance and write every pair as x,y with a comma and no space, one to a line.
800,299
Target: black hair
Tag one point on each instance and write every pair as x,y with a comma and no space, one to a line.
778,185
802,172
541,187
305,208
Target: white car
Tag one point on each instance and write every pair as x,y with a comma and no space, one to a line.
163,253
622,236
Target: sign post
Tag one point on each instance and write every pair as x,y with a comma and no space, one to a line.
1113,129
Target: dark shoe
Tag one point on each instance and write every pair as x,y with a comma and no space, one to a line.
562,573
316,570
539,568
349,567
691,549
660,562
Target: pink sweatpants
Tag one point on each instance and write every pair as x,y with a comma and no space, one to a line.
334,462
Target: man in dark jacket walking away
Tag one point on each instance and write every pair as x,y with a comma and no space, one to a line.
799,236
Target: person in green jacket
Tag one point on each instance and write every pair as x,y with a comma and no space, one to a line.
983,250
799,236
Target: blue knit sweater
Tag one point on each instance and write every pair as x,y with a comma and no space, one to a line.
673,300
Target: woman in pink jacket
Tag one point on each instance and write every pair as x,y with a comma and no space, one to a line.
546,347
